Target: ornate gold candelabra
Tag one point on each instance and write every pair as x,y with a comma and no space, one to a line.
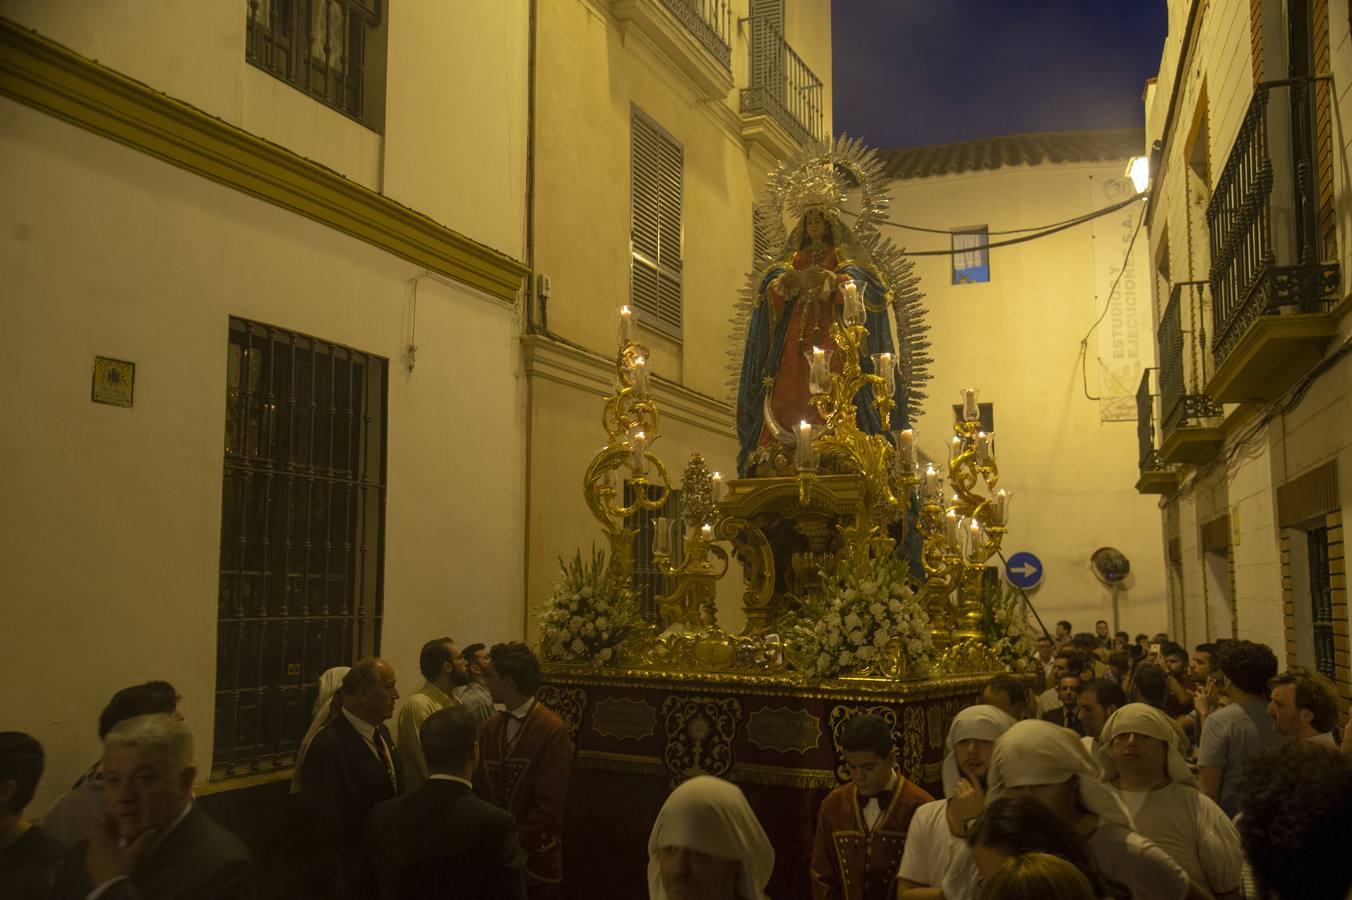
692,602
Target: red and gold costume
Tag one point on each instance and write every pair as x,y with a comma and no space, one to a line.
527,775
850,861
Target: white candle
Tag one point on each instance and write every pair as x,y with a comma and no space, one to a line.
662,536
969,407
931,479
853,311
641,376
716,487
951,527
1001,506
707,532
803,450
906,451
884,365
974,536
628,319
982,446
954,447
818,370
638,442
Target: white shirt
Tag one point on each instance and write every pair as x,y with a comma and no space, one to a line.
930,846
438,776
872,809
516,717
1191,828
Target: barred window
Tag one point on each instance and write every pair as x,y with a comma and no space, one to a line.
649,582
971,258
985,414
1321,600
302,535
321,47
655,197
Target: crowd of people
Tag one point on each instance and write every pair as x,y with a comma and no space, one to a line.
1132,769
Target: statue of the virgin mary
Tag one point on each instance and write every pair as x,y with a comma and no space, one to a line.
798,292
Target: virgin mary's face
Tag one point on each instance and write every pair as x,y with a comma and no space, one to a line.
816,227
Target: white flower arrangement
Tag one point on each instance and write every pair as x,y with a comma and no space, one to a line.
863,612
1005,628
581,621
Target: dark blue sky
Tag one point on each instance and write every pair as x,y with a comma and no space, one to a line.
914,72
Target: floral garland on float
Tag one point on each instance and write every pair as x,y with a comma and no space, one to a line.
1005,629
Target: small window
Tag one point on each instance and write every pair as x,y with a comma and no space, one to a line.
987,415
1321,600
321,47
656,191
971,258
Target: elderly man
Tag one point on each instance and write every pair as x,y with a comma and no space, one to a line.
1064,662
1143,762
527,760
930,842
441,839
1048,763
1304,706
1065,713
153,842
352,763
1243,729
442,669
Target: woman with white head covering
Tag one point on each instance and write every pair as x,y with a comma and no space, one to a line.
1143,763
708,845
1048,763
930,842
329,683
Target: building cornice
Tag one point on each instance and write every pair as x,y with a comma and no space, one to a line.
569,364
53,79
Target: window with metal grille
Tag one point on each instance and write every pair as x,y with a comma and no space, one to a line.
971,258
649,582
302,535
655,196
1321,599
321,47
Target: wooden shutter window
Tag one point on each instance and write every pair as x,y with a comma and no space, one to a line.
656,197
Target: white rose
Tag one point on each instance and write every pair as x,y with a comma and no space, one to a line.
602,606
564,635
856,637
852,621
868,587
880,638
823,661
878,610
833,640
894,606
575,622
577,646
845,658
602,622
605,635
914,647
606,653
589,629
586,592
864,653
848,594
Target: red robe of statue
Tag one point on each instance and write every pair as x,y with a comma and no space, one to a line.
852,862
528,777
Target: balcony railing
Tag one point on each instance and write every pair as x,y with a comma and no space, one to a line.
1145,426
1184,357
782,85
1262,218
709,22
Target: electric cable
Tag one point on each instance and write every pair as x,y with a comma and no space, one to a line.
1107,304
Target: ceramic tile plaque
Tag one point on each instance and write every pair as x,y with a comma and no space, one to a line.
114,380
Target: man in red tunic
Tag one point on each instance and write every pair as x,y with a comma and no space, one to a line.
527,755
861,826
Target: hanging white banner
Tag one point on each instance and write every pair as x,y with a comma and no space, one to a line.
1123,346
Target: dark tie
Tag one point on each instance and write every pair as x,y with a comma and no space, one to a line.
884,799
384,758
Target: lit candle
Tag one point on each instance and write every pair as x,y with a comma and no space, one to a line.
639,462
628,320
716,487
906,451
818,370
954,447
982,446
969,407
884,365
1001,507
803,450
707,532
974,538
931,479
662,536
951,527
990,446
641,376
854,310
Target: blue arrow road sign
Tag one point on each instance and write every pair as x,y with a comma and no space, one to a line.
1023,570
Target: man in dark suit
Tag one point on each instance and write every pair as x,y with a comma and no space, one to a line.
153,842
442,840
352,764
1065,715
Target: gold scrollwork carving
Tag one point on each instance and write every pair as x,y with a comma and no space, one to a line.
699,733
569,703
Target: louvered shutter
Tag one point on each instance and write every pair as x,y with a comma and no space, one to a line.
655,200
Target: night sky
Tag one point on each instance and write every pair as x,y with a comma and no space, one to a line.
915,72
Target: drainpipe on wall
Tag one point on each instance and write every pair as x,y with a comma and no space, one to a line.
532,27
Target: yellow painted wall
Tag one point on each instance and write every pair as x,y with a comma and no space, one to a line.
110,552
1017,338
453,139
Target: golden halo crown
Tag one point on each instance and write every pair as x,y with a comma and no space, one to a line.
815,186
